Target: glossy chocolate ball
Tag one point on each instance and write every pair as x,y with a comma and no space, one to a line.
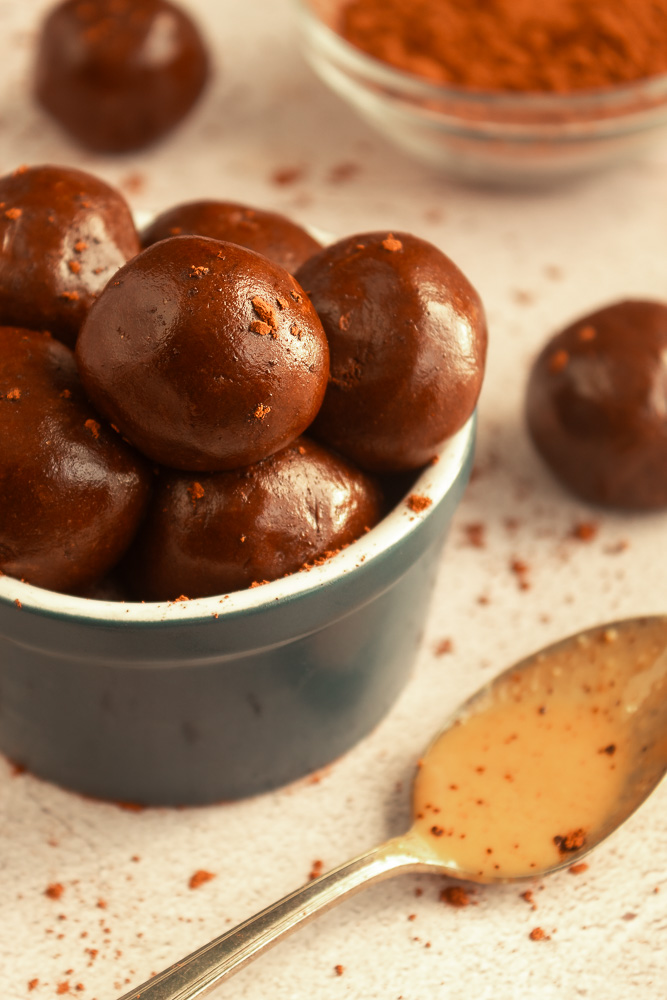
224,531
268,233
63,234
597,406
119,74
71,492
407,338
206,355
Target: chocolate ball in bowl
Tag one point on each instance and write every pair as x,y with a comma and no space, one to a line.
72,493
224,531
63,234
268,233
596,406
206,355
119,74
407,340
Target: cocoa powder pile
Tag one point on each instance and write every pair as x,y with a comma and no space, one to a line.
514,45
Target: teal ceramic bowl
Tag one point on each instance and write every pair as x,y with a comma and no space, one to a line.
226,696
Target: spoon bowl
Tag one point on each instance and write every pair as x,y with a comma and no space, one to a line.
528,776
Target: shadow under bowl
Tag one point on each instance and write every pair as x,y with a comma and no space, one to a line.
227,696
493,138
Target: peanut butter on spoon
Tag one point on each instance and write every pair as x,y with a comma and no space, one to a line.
532,772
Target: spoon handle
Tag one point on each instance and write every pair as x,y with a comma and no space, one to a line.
195,975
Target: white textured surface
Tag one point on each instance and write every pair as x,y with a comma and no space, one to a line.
265,112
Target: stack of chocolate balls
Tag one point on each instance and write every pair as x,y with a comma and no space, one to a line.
153,401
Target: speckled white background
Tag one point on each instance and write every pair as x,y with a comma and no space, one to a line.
606,237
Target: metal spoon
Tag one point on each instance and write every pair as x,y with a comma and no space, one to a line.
613,677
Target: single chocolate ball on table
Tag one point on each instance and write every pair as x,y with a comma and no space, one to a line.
224,531
407,341
63,234
119,74
596,406
268,233
206,355
71,492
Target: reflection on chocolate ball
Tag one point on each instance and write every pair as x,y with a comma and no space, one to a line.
206,355
268,233
597,406
71,492
63,234
224,531
407,339
119,74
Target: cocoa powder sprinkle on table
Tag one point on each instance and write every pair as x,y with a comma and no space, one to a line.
537,934
199,878
455,895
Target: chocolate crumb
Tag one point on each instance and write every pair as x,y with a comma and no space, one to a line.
585,531
285,176
558,361
418,503
257,326
199,878
392,244
475,534
572,841
265,311
537,934
455,895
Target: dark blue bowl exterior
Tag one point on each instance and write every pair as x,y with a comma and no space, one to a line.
214,709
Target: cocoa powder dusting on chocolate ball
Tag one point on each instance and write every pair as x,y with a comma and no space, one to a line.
268,233
72,493
119,74
407,340
206,355
220,532
63,234
596,406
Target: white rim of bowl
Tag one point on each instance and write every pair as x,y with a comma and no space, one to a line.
434,482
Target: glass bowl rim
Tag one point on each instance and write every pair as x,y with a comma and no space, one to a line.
604,98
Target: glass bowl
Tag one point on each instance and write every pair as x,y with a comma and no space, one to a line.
492,138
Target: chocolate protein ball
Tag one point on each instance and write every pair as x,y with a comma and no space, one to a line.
63,234
407,339
119,74
71,492
206,355
224,531
268,233
596,406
